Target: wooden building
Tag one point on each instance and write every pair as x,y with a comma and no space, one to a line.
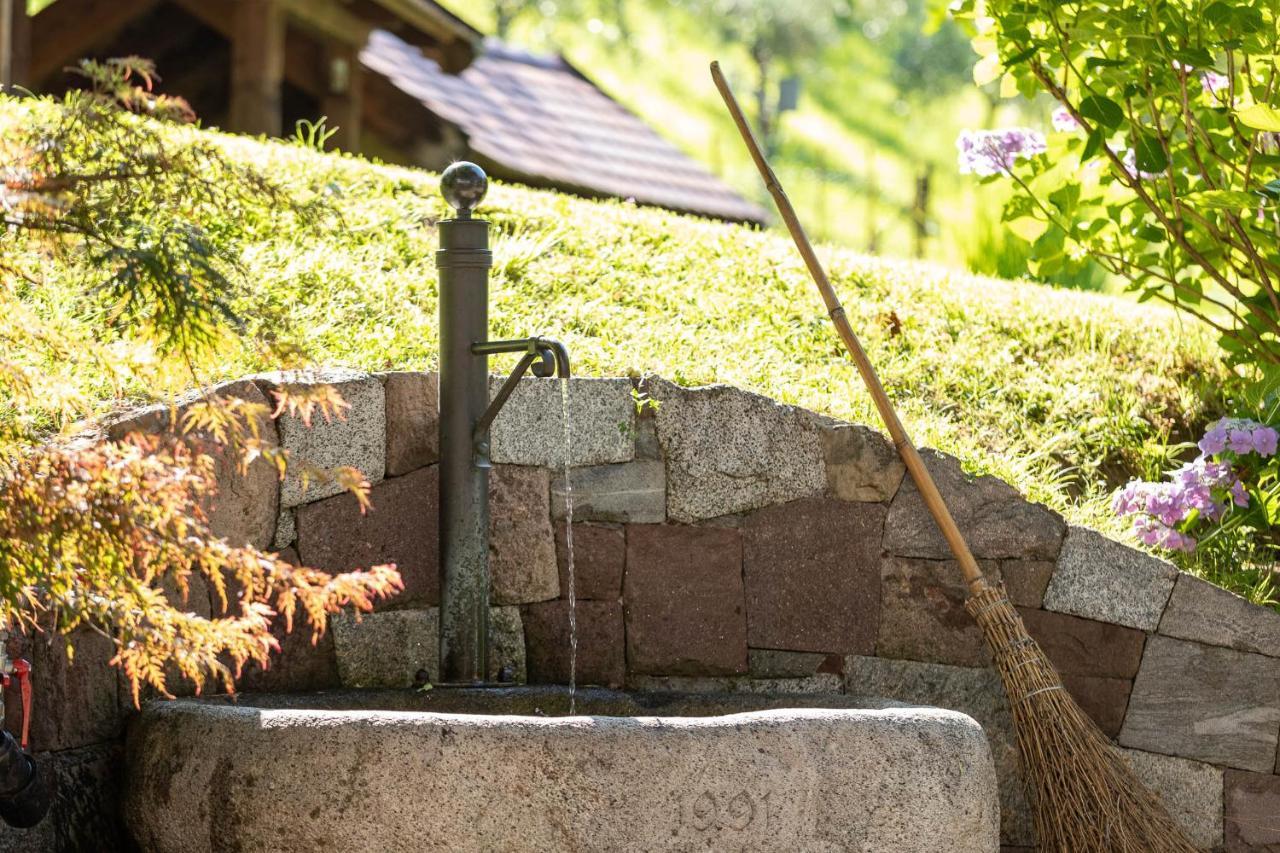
405,80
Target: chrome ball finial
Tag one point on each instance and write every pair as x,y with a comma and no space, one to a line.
463,186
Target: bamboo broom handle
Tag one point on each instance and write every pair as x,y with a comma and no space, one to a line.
910,457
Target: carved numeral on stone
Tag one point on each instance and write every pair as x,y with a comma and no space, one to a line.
706,812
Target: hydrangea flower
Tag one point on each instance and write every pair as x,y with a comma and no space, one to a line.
1203,486
993,152
1153,533
1240,436
1214,83
1064,121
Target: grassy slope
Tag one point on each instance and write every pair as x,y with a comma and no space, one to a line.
1039,386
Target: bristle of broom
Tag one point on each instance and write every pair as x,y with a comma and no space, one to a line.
1085,798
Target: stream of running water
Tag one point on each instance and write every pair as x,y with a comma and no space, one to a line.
568,547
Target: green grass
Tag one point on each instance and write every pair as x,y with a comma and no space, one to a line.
1060,393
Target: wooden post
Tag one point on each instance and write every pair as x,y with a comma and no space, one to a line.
920,209
257,67
343,101
15,44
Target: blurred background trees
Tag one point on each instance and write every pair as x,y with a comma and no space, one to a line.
859,102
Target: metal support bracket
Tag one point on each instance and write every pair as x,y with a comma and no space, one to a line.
546,356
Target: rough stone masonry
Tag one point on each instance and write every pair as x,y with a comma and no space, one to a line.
724,542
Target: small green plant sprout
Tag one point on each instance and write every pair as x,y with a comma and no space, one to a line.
643,402
1162,160
313,134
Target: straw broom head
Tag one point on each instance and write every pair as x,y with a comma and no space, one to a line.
1084,796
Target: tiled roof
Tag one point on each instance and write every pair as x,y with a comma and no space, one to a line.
539,120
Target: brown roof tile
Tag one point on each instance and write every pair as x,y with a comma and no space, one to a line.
539,119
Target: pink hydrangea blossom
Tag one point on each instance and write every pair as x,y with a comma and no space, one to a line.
1240,436
1064,121
1153,533
993,152
1214,83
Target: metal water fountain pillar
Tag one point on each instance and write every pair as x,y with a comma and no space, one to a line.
466,413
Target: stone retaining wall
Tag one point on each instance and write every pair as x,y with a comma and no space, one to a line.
723,542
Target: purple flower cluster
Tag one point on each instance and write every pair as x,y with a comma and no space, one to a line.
993,152
1064,121
1203,489
1240,436
1214,83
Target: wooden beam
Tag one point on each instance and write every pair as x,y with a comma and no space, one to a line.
257,67
329,20
343,103
67,30
426,26
15,45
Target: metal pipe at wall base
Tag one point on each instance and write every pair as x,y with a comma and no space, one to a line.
463,261
26,787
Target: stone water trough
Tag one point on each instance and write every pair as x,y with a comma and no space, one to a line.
504,769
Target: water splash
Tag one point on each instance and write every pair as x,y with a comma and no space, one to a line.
568,547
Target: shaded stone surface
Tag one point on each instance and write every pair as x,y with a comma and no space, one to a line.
74,701
1200,611
601,658
1102,699
85,814
391,648
300,665
522,546
997,522
286,535
1191,791
401,648
530,428
976,692
1097,661
243,511
1100,579
812,576
729,451
629,492
1251,812
413,420
685,611
1078,646
647,444
507,661
862,465
1211,704
1026,580
773,663
808,685
922,615
357,440
401,527
599,557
